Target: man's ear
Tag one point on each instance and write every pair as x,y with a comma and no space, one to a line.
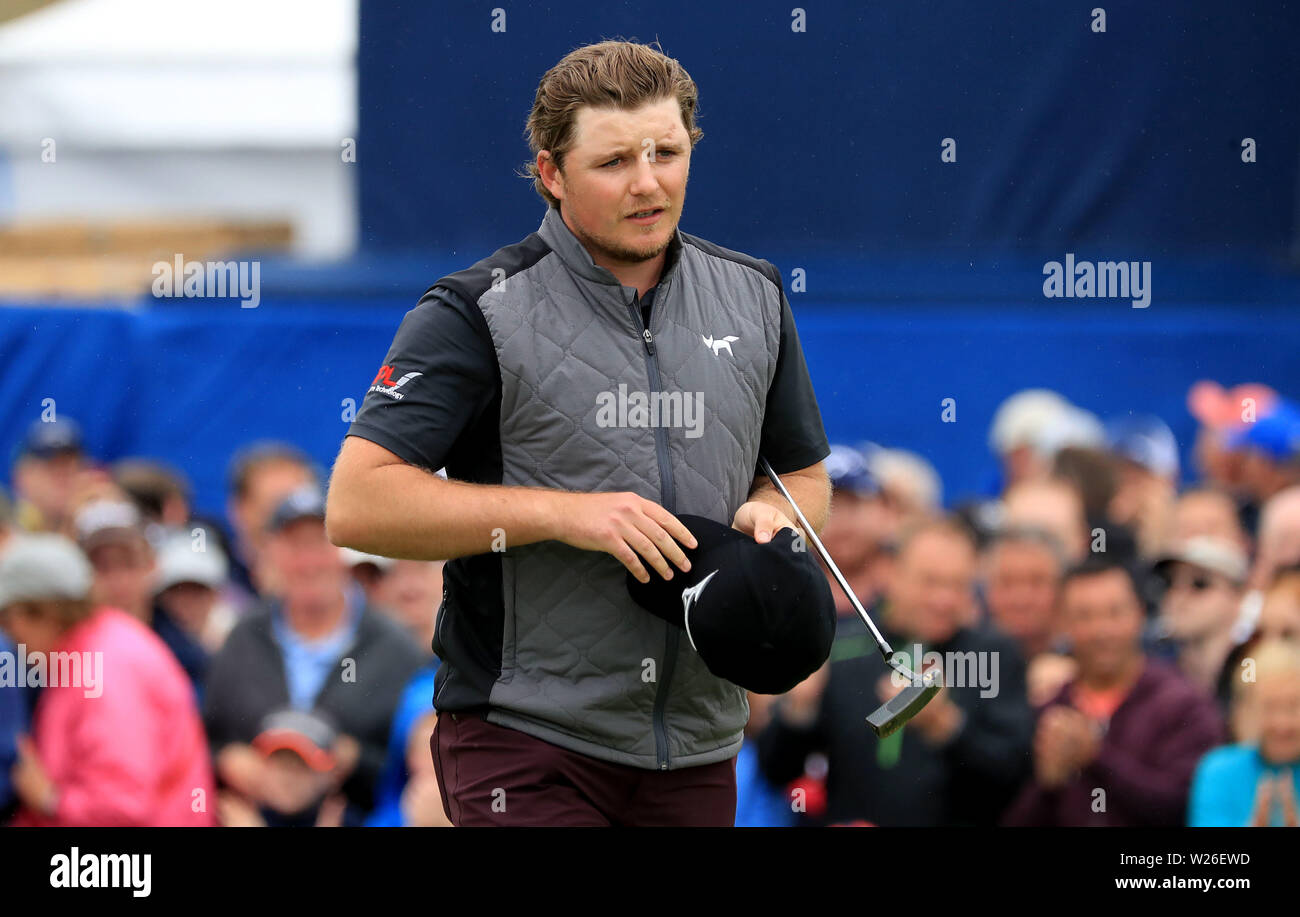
552,176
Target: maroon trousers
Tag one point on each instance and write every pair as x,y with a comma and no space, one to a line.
490,775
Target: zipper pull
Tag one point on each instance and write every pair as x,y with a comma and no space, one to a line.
649,340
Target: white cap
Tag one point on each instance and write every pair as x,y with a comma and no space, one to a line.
1215,554
904,473
1020,418
179,562
43,566
100,519
1072,427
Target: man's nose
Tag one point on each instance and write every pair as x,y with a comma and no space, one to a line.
643,179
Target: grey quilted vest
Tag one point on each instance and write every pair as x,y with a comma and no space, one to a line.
581,665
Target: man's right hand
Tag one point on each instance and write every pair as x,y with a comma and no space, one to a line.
629,527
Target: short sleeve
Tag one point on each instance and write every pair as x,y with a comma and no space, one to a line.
793,436
438,376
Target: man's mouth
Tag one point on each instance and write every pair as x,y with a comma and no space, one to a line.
646,216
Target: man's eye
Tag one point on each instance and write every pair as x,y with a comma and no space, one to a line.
612,162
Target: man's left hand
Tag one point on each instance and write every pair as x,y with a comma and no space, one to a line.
760,520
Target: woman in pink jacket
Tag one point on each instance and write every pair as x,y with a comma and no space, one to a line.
116,736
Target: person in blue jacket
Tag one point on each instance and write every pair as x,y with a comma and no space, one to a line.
13,723
416,701
1256,783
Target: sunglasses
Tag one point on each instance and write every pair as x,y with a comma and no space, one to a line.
1197,582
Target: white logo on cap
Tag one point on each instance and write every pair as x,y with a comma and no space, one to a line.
689,597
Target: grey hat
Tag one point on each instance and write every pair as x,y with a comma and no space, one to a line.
43,566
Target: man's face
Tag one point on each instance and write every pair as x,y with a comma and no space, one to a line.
1279,543
931,593
1198,602
623,162
1206,513
1054,507
308,567
290,786
412,589
267,487
1021,590
48,483
124,569
1279,617
845,536
190,604
1102,617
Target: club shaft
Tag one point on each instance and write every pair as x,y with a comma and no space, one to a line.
885,649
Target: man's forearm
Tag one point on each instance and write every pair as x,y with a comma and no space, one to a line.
403,511
811,492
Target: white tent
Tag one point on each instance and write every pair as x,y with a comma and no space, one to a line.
232,108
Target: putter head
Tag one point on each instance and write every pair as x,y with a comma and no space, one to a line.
907,703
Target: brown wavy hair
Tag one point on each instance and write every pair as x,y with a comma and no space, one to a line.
608,74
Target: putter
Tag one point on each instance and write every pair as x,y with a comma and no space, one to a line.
890,716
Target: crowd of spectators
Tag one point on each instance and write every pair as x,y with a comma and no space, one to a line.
163,668
1120,639
1118,634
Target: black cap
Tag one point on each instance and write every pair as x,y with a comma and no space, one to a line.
760,615
306,502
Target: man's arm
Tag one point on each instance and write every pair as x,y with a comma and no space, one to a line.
811,489
379,504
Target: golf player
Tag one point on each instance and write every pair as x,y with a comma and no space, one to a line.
581,387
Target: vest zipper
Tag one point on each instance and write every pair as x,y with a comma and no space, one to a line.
668,490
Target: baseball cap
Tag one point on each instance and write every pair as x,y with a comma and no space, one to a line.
309,734
1145,440
1073,426
178,562
1215,554
46,438
43,566
106,520
1020,417
304,503
1275,433
847,469
759,615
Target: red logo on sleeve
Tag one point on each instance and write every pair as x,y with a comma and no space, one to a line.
383,383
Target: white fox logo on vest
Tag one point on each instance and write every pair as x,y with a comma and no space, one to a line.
720,343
